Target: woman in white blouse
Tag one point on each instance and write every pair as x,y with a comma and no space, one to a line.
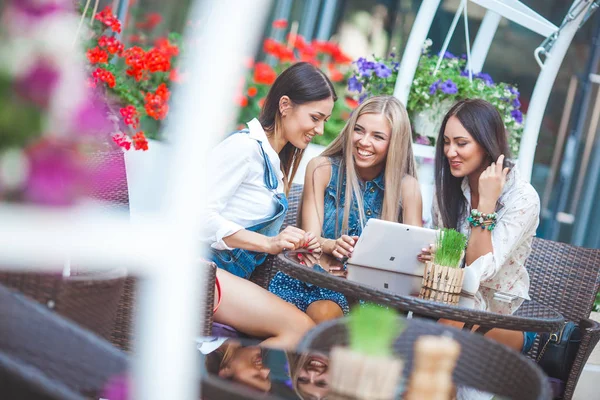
251,172
479,193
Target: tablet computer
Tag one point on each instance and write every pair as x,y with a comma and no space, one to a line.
386,247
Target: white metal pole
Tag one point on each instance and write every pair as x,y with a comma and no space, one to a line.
412,52
541,93
483,40
202,113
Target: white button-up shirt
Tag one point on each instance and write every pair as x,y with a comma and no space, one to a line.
237,197
518,210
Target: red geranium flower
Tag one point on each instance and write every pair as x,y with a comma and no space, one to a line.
130,116
107,18
252,91
350,102
139,141
335,75
264,74
97,56
122,140
156,61
104,76
111,44
280,23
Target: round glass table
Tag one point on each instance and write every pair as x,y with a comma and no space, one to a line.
486,309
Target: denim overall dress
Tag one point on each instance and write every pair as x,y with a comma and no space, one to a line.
303,294
242,262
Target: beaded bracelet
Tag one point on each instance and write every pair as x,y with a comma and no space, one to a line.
486,221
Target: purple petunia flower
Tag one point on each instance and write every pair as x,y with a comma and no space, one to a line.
365,68
486,78
362,98
91,117
37,84
55,175
449,87
517,116
513,90
354,85
434,86
392,55
516,103
382,70
38,8
395,66
447,54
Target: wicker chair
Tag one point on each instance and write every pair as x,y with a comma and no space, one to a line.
88,298
477,367
113,194
263,274
44,356
567,279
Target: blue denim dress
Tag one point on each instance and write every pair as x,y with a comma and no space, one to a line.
242,262
303,294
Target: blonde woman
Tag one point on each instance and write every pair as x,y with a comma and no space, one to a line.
368,171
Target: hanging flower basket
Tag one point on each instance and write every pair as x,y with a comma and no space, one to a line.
433,92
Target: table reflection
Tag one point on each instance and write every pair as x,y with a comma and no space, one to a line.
258,369
486,299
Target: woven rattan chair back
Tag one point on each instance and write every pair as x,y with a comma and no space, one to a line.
564,277
90,299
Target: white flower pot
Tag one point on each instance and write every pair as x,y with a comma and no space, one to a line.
428,122
145,173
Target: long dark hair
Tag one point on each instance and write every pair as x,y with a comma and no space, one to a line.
302,83
485,125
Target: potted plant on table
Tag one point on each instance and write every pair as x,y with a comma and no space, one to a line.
444,274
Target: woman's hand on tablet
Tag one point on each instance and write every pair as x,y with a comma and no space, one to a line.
344,246
427,253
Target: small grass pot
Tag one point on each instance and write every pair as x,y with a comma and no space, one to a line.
444,274
360,376
439,297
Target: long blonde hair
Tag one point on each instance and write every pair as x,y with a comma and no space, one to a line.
400,160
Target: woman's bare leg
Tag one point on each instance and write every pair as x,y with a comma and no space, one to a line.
324,310
512,339
254,311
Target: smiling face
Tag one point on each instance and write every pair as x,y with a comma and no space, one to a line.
313,377
370,143
246,367
302,122
464,154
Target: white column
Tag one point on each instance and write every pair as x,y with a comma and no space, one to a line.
541,93
412,52
483,40
202,112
